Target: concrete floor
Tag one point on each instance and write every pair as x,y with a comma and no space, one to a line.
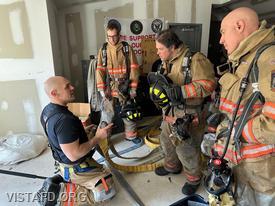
153,190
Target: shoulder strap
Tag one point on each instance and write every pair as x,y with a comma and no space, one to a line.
186,67
104,54
44,121
160,68
253,74
125,50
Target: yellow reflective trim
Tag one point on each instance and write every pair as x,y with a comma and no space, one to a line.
150,90
130,117
71,170
156,91
83,165
162,96
135,115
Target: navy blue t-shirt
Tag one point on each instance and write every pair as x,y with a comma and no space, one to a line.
63,127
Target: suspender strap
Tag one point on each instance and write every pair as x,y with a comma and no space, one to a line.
44,122
186,67
104,54
244,116
253,75
160,68
125,50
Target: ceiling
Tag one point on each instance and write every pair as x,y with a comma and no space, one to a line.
67,3
264,8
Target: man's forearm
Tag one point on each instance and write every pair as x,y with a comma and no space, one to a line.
85,148
75,150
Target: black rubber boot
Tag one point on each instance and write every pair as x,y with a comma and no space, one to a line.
161,171
190,189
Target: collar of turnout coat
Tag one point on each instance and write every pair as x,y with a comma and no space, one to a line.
252,42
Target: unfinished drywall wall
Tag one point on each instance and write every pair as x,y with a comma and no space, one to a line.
41,64
75,55
15,40
150,8
19,110
159,8
164,6
203,16
58,61
196,12
22,95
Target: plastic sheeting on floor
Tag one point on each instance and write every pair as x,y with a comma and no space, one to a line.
16,148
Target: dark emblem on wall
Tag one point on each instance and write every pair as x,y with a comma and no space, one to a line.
156,25
136,27
114,21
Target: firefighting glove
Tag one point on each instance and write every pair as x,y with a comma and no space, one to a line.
174,94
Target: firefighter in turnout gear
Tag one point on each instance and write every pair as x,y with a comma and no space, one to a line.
179,88
117,75
251,153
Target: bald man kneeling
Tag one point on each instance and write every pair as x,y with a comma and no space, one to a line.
70,145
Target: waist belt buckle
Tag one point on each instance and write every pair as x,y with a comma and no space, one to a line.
83,167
